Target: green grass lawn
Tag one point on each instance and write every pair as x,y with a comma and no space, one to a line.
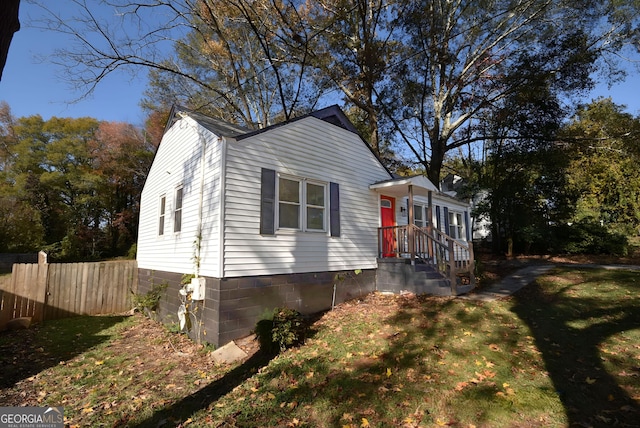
564,351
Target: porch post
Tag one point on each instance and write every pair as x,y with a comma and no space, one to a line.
412,246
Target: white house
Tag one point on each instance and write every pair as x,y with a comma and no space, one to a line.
268,218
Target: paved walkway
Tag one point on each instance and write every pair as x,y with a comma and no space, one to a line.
527,275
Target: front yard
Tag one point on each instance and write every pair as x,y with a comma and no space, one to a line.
564,351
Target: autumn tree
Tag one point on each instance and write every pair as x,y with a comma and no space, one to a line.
71,186
122,160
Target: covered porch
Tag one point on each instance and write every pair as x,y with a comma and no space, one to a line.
423,243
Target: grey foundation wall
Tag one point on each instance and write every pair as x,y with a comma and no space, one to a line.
233,306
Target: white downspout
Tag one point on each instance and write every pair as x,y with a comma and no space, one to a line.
200,204
221,210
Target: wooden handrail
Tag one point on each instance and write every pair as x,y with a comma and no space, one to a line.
447,255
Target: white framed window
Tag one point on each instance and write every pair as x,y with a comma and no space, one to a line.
289,199
419,216
315,202
456,225
162,214
177,211
302,204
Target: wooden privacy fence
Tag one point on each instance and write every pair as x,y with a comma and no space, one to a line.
51,291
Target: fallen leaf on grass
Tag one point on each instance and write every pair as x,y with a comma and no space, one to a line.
590,381
461,385
347,417
365,423
494,347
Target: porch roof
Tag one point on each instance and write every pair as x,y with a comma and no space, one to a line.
399,187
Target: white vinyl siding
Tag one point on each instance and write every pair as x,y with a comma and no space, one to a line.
178,163
323,153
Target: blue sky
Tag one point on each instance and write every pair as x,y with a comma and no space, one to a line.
31,84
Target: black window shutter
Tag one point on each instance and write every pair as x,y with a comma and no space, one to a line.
438,219
268,202
446,220
466,225
334,212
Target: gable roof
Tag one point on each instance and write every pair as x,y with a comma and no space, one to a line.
217,126
332,114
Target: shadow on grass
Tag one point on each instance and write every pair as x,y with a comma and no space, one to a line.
24,353
205,397
568,329
183,409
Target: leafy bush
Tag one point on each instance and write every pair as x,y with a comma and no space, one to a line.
590,237
132,252
283,329
151,299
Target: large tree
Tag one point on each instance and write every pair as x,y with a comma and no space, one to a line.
464,58
426,72
244,61
353,43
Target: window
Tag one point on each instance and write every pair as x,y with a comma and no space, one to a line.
177,213
163,205
456,225
315,206
289,203
301,204
298,204
418,216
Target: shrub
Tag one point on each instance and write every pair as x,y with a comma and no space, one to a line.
149,301
283,329
590,237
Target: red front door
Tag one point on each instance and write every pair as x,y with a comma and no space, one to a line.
388,217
